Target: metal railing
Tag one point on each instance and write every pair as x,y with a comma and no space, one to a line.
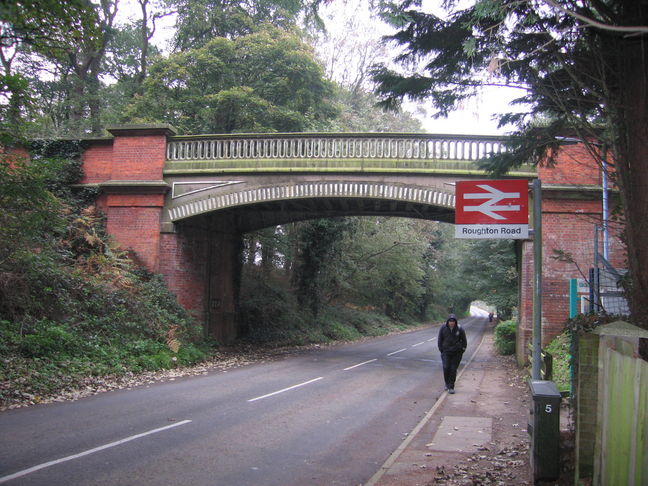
333,146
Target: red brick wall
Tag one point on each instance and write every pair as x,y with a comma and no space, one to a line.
568,226
97,162
183,262
574,166
14,154
133,219
137,229
138,157
135,200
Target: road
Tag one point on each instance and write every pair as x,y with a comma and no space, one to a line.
324,417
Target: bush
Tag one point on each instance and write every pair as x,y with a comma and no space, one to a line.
559,348
505,337
339,331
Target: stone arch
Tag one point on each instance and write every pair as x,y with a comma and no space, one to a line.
215,199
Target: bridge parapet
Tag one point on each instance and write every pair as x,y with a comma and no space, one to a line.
332,151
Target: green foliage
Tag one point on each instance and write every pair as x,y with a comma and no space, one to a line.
382,265
319,245
560,350
29,212
580,67
340,331
358,112
505,337
490,269
46,23
484,270
588,322
266,81
71,305
199,21
270,313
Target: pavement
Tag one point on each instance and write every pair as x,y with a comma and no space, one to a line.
477,436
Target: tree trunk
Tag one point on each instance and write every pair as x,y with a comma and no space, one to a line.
632,157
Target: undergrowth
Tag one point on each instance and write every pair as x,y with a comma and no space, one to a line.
71,304
505,333
270,314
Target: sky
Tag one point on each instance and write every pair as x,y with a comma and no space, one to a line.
473,116
349,20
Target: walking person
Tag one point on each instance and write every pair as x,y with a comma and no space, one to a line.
452,344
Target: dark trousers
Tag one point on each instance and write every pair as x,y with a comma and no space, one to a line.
450,364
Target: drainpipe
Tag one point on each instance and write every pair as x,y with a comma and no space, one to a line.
537,279
604,183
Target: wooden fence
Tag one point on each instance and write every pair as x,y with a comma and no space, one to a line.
612,410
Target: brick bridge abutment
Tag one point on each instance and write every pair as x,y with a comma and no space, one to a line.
176,227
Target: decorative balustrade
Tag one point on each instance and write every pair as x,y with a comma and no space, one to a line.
333,146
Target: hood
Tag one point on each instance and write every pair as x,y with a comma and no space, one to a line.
452,317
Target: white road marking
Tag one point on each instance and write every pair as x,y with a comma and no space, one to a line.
418,344
399,351
429,340
24,472
360,364
285,389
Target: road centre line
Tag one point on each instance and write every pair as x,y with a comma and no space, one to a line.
429,340
418,344
285,389
360,364
24,472
399,351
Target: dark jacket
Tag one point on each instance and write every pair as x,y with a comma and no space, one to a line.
452,341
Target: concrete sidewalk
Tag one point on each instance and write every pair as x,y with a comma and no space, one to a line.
476,436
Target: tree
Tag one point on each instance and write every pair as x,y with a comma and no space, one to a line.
358,112
582,68
28,209
199,21
31,27
490,267
266,81
380,263
129,49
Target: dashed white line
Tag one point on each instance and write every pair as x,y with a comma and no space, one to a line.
431,339
418,344
360,364
285,389
24,472
399,351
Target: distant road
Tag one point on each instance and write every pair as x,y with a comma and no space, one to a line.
324,417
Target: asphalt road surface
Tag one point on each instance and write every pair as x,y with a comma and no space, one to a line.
324,417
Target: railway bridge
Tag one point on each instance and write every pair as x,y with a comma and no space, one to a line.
182,203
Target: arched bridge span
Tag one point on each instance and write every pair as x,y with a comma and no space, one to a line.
284,177
182,202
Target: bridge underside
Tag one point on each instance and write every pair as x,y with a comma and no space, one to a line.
263,215
258,202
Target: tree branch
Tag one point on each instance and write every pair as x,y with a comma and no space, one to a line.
634,29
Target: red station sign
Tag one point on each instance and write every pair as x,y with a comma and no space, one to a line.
492,209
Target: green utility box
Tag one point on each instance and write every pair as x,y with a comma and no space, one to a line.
544,428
